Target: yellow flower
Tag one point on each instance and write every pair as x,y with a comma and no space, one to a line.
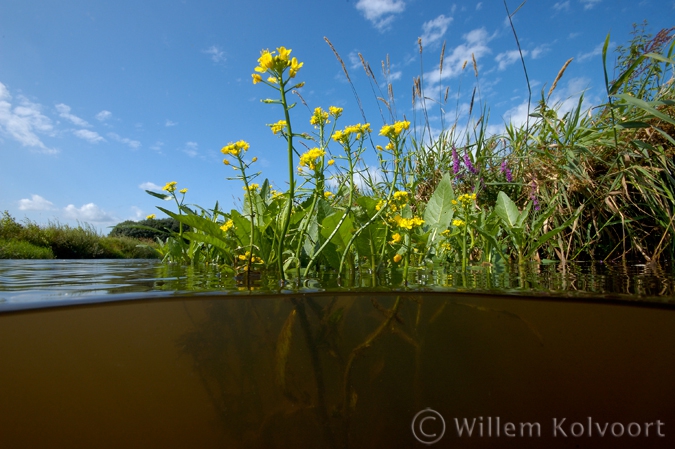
283,53
331,161
278,126
407,223
272,80
183,191
255,159
397,258
335,111
229,224
395,130
266,61
253,187
256,78
226,162
310,158
295,66
458,223
235,148
170,186
319,117
327,194
401,195
396,238
150,217
446,246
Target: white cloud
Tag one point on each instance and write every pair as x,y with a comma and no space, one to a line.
354,60
435,29
135,144
103,116
597,51
191,149
508,57
36,202
64,111
216,53
22,122
90,136
88,212
540,50
138,213
150,186
479,6
589,4
380,12
562,6
475,43
170,123
394,76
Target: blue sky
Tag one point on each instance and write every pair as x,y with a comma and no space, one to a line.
100,100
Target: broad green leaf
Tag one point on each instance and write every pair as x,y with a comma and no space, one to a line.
344,232
211,240
507,210
439,211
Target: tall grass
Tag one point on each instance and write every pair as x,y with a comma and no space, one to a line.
56,240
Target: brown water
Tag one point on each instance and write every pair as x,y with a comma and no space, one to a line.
329,370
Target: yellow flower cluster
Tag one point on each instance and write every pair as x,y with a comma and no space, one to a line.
335,111
310,158
399,200
236,148
183,191
275,65
170,186
276,194
319,117
252,187
395,130
465,199
396,238
457,222
150,217
247,255
278,126
229,224
407,223
345,136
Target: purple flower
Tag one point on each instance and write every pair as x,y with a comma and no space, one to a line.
507,172
469,165
455,160
533,195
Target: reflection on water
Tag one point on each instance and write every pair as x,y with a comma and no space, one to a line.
328,370
23,281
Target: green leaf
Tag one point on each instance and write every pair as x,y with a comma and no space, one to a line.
439,212
343,234
209,239
161,196
507,210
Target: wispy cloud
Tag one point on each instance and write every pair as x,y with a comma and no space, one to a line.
508,57
380,12
36,202
88,212
64,112
90,136
150,186
22,122
475,43
103,116
217,55
191,149
589,4
562,6
435,29
479,6
539,50
135,144
169,123
597,51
